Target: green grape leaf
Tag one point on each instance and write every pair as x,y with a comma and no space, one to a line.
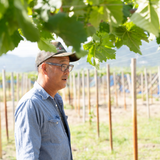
45,44
126,11
45,41
114,11
46,35
99,53
112,38
90,30
131,36
93,2
10,19
158,39
81,53
91,54
105,39
100,49
45,8
49,5
146,17
104,27
96,2
97,15
30,32
111,12
78,7
68,28
9,42
104,52
16,38
88,45
3,6
119,43
96,38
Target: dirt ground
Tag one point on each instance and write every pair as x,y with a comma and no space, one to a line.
118,112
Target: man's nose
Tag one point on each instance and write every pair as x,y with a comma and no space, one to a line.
67,71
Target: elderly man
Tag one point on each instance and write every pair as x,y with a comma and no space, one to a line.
41,128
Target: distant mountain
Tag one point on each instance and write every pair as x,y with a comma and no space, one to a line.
12,63
150,57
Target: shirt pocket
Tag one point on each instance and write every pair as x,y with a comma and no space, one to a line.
55,130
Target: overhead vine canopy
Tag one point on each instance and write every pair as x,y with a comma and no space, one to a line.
110,24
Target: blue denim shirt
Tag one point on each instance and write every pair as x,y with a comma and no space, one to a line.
39,131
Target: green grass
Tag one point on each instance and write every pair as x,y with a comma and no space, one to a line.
8,147
87,146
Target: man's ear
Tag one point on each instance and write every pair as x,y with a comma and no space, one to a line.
44,68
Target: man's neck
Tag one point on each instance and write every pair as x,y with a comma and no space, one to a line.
51,91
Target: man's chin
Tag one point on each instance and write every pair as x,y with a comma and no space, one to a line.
64,86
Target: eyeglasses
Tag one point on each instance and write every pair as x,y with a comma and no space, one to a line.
64,67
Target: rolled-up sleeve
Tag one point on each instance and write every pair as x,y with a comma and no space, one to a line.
27,132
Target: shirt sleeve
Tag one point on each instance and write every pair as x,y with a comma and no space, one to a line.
27,132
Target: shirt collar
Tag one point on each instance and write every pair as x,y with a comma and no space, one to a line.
41,91
45,95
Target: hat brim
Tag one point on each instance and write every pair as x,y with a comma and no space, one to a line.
72,56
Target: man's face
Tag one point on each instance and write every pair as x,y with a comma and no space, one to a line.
56,77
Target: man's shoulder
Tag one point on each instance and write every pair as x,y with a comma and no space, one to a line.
28,102
31,98
30,95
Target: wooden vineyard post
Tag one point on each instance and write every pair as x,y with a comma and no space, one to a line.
5,103
17,87
146,86
123,90
119,86
142,87
74,91
150,76
101,87
71,90
26,83
12,88
115,89
97,106
129,84
83,93
22,86
29,84
79,93
134,109
109,106
88,95
104,85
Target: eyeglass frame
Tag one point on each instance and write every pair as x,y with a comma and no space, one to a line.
56,64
